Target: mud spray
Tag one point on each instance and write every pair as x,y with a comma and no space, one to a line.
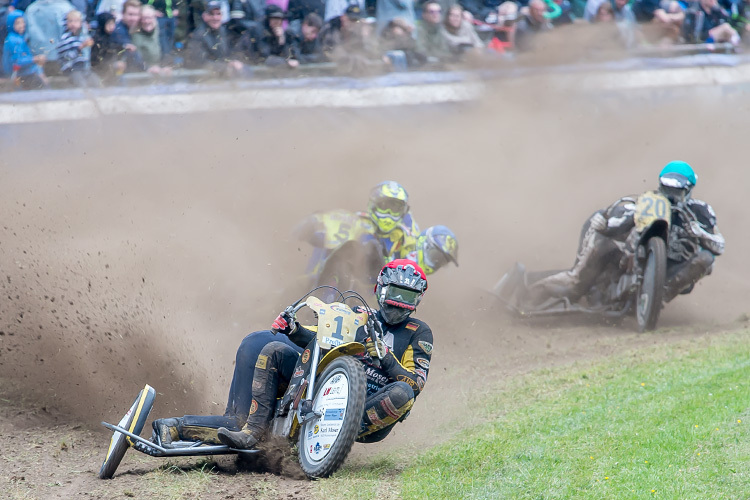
142,249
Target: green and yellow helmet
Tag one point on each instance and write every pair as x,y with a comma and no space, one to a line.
436,247
389,203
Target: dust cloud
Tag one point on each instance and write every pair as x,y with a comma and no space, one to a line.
141,250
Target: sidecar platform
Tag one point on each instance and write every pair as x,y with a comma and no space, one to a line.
178,448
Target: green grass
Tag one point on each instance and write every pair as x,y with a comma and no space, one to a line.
664,422
171,481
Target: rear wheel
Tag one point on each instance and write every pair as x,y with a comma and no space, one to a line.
325,442
133,421
651,291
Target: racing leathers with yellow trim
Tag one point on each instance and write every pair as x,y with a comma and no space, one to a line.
391,387
394,385
328,231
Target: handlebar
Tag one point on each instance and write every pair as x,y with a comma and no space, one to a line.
686,214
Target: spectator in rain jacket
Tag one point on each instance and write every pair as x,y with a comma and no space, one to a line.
17,56
209,47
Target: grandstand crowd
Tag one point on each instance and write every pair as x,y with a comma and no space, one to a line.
96,42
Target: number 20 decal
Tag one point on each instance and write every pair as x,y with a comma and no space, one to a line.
655,207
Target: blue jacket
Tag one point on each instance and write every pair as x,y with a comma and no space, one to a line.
16,52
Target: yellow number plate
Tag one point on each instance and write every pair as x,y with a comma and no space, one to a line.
651,206
337,323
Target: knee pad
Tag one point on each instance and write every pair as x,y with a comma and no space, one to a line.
703,259
400,394
272,348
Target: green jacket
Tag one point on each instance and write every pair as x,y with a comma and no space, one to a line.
148,45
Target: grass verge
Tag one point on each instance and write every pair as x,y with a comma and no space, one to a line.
669,421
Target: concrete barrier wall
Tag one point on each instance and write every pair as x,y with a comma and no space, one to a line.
408,89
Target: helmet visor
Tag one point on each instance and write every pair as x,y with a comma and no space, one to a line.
433,256
674,194
391,206
401,297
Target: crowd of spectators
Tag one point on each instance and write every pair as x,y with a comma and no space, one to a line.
96,42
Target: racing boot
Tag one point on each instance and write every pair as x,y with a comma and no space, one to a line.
165,430
244,439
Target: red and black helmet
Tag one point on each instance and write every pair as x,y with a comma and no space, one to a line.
399,289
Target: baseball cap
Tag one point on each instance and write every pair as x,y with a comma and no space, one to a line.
275,11
213,5
353,12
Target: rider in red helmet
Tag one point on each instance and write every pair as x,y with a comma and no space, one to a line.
393,382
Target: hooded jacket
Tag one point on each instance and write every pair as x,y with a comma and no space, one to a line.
17,55
106,49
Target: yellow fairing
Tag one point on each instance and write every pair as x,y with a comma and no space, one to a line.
350,349
651,206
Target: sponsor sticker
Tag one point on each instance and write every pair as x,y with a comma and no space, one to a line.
332,391
374,419
343,310
408,380
305,356
412,326
262,361
257,385
326,446
316,429
334,414
253,407
422,373
426,346
420,383
298,372
424,363
335,379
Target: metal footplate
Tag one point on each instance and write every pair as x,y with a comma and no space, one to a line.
178,448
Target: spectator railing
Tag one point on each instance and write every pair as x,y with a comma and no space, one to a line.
183,75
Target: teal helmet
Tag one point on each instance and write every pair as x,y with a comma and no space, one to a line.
436,247
389,203
676,181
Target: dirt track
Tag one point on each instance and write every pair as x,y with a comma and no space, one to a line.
142,249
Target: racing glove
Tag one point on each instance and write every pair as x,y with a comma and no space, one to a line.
284,323
372,350
598,222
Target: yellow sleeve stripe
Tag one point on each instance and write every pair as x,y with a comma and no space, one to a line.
407,360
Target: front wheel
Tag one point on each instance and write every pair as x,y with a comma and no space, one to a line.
133,421
651,291
325,442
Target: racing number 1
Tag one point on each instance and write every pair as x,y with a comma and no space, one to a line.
339,320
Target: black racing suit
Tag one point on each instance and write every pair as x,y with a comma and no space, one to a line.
239,402
391,389
689,256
